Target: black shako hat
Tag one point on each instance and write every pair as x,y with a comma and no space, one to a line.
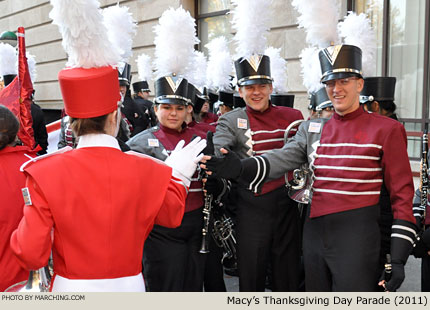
254,70
124,74
226,98
340,61
141,86
282,100
238,101
213,96
171,90
192,92
379,88
8,78
319,100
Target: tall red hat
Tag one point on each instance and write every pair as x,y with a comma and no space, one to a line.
89,92
89,83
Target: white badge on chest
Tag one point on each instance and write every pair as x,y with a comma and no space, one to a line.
242,123
153,142
314,127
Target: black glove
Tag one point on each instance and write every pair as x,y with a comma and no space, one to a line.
396,278
422,246
227,166
209,149
402,239
420,249
214,186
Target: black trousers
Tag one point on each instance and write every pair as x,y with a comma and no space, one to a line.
267,231
171,258
214,271
341,251
425,272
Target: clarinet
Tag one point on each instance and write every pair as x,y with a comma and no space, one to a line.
207,209
424,178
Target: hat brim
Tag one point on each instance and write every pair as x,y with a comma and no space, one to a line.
171,101
255,81
339,75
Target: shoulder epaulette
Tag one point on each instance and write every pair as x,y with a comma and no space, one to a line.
38,158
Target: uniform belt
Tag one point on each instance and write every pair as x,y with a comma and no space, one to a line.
124,284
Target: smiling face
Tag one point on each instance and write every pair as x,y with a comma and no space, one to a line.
344,94
256,95
171,116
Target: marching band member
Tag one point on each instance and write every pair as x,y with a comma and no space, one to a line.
172,261
349,155
267,222
11,182
99,224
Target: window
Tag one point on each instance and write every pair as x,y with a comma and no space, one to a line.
401,27
212,21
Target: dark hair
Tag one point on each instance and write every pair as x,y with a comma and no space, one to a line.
83,126
9,126
388,106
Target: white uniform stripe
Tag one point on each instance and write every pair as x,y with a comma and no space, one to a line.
351,145
194,190
347,168
268,131
262,152
349,180
251,185
264,173
182,183
268,140
348,156
195,179
404,228
333,191
403,237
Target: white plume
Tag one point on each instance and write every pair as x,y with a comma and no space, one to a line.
196,70
144,67
175,37
278,69
31,61
121,29
8,59
219,65
251,20
319,18
85,37
357,30
311,70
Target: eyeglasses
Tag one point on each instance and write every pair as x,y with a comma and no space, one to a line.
342,82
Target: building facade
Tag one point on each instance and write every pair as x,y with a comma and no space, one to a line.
402,29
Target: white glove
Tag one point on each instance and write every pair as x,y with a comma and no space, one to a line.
184,160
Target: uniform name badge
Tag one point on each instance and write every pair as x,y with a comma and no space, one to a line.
153,142
26,195
314,127
242,123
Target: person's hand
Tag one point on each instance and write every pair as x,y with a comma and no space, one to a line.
420,250
209,149
184,160
213,186
397,276
227,166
